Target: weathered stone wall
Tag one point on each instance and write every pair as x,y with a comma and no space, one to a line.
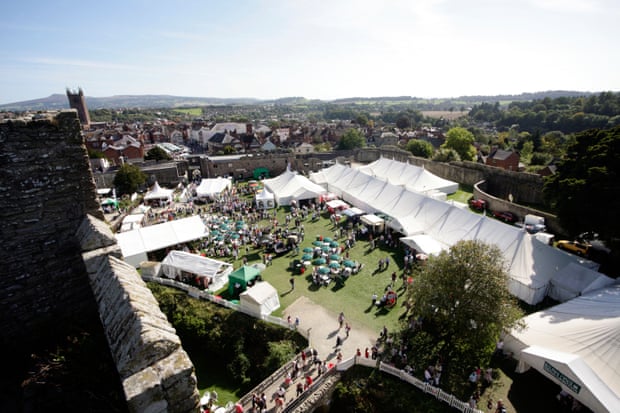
45,191
156,373
60,269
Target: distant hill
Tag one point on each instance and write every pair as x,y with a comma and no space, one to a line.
59,101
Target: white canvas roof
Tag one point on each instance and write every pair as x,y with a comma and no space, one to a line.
574,280
137,243
212,186
383,186
371,219
412,177
177,261
423,243
290,186
577,340
337,203
260,299
265,199
158,192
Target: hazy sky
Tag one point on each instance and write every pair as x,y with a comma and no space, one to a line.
313,48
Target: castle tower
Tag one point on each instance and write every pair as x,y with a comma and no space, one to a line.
77,102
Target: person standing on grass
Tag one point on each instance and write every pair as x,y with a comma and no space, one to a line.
341,319
292,281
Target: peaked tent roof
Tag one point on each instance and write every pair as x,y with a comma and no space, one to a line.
579,339
412,177
289,186
157,192
212,186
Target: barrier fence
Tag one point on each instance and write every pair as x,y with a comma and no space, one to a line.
342,366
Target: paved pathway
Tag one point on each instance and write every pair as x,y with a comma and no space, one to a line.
323,326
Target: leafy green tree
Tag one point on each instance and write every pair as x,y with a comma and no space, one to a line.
279,353
420,148
352,139
461,140
361,119
462,299
128,179
526,151
157,154
446,155
584,190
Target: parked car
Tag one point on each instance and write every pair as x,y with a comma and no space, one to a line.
478,204
576,247
505,216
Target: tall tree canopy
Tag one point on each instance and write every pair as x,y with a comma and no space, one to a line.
462,299
420,148
128,178
461,140
352,139
157,154
584,190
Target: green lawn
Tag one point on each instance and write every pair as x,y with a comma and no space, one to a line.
354,296
462,194
190,111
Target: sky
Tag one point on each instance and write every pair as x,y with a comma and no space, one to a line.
318,49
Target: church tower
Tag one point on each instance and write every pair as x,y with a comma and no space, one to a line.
77,102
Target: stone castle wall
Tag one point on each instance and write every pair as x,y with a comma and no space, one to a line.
45,191
156,373
61,267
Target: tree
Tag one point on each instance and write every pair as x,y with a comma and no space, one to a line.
584,190
157,154
128,179
461,140
352,139
420,148
461,297
446,155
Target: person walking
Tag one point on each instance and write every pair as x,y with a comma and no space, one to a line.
347,329
341,319
292,281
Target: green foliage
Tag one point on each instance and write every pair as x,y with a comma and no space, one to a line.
370,391
229,149
248,348
352,139
461,140
157,154
567,114
420,148
584,190
279,353
94,154
462,298
539,158
446,155
128,179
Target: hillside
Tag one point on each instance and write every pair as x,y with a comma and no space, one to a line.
59,101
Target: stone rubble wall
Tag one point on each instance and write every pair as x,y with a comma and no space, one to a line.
45,190
156,373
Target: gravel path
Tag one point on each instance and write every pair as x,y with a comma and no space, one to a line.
323,326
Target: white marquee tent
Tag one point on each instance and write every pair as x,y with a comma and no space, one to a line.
573,280
137,243
531,264
290,186
210,188
178,262
260,299
575,344
157,193
264,199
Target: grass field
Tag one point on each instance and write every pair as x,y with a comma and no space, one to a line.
353,297
190,111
